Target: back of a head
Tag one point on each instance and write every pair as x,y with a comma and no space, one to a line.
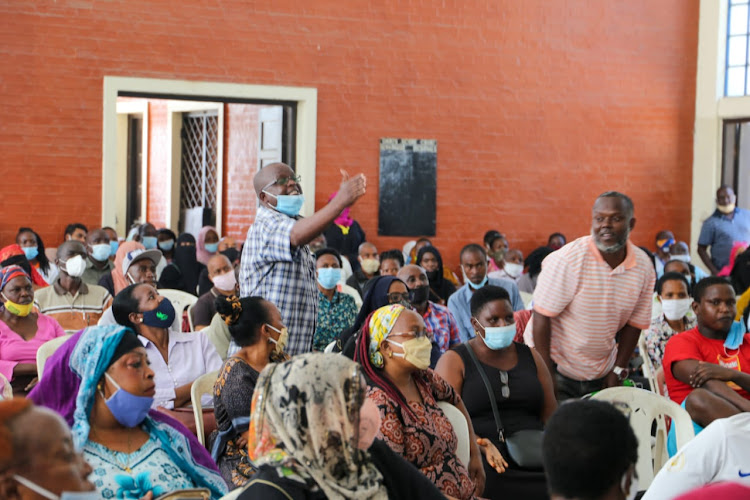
534,260
588,446
485,295
244,316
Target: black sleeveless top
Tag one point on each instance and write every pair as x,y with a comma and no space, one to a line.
520,411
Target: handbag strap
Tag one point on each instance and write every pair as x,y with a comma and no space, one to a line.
495,412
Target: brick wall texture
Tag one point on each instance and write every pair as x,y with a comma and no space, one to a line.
537,105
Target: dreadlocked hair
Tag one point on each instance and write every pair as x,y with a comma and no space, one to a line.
375,375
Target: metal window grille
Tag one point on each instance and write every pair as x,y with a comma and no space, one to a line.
199,160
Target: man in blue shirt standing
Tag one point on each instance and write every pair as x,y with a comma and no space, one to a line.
727,225
474,263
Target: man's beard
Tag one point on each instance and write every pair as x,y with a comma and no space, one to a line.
612,248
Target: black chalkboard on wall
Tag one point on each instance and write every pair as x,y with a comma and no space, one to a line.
408,187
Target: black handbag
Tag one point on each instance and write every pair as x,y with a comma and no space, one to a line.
524,447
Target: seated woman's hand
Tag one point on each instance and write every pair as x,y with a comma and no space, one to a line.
710,371
476,472
492,455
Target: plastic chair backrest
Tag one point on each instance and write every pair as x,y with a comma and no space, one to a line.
202,385
460,427
45,351
648,367
645,408
179,299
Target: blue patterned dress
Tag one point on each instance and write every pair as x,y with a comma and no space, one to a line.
150,469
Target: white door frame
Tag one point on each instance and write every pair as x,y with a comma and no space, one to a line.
113,189
124,111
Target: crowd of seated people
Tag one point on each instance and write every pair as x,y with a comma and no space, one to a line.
404,338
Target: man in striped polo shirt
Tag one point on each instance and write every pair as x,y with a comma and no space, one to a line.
592,299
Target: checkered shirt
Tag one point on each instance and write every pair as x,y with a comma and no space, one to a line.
272,269
439,321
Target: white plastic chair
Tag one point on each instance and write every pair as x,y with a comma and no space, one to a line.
232,495
179,299
648,367
460,427
329,347
645,408
203,385
45,351
7,390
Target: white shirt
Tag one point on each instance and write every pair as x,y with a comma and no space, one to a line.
721,452
190,356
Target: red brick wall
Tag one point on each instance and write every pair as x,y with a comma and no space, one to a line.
537,106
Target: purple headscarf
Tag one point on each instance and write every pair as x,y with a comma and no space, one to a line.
58,389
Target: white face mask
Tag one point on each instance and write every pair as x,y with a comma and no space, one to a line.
676,308
65,495
75,266
512,269
225,282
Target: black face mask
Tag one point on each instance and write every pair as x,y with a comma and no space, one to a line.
419,295
432,275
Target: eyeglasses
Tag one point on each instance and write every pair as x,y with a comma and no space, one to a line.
283,181
395,298
416,335
505,390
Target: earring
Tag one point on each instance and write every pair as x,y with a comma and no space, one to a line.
390,354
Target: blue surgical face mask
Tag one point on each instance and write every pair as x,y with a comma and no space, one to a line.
31,252
211,247
149,242
128,409
161,317
735,336
498,337
328,277
167,245
288,204
113,246
480,285
65,495
100,252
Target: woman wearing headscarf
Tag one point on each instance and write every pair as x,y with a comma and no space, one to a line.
22,331
384,290
131,453
58,388
345,235
207,244
166,240
432,262
182,273
395,355
257,329
312,437
14,255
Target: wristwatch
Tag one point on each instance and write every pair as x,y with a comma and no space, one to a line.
622,373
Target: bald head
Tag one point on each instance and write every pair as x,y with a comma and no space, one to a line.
410,270
71,248
98,237
218,264
269,174
367,248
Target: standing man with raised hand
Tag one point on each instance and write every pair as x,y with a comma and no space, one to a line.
276,261
592,293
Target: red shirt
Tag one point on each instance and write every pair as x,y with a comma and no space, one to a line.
692,345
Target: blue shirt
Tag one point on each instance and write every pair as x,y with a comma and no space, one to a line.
458,303
720,233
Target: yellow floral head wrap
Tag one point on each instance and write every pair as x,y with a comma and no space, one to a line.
381,324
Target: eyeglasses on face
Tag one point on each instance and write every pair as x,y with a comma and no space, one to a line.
284,180
396,297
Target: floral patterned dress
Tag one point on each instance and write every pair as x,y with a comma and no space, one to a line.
427,441
123,475
659,333
233,393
